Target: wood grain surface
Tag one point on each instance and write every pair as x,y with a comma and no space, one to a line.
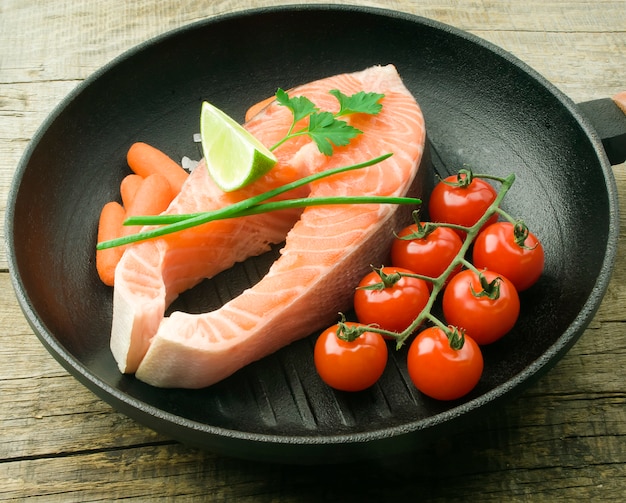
563,439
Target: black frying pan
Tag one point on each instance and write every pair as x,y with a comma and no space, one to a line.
483,109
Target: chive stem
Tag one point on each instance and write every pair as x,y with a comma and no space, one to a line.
272,206
236,209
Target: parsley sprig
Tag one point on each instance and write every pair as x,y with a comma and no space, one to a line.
326,129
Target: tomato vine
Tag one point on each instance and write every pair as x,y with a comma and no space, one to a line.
480,303
438,283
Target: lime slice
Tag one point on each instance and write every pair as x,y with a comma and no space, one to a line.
234,157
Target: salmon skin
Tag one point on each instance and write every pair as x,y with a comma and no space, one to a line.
326,252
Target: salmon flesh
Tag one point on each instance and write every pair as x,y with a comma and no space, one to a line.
327,249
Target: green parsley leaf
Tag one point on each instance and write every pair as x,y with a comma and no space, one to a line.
361,102
300,106
327,131
324,128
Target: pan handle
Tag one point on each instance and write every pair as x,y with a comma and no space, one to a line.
608,117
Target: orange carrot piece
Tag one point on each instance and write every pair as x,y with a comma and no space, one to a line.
146,160
149,196
110,226
153,196
257,107
128,188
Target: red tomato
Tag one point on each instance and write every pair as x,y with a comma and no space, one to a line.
428,256
350,366
485,319
392,307
496,248
440,371
461,205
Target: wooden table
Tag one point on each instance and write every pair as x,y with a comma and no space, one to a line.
563,439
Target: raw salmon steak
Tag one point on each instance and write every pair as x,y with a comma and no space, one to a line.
326,252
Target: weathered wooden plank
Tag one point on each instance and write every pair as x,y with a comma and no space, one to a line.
44,410
563,439
574,461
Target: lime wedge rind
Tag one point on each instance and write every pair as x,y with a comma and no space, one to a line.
234,157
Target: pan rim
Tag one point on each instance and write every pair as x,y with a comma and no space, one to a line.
128,403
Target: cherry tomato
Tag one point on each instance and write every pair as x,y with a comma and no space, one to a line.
467,305
393,306
350,366
429,255
497,248
461,205
439,370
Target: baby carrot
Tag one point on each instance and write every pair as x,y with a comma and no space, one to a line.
128,188
145,160
110,226
149,196
152,197
257,107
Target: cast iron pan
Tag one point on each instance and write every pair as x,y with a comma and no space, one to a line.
484,109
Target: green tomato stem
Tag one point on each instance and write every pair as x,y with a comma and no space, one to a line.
439,282
491,177
468,265
506,216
